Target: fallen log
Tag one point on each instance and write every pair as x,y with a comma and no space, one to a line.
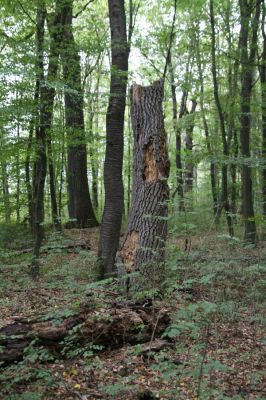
111,327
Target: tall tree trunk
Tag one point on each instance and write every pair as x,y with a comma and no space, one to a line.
189,165
247,66
5,188
27,170
46,102
113,183
224,203
233,77
94,137
61,181
177,131
206,128
129,170
18,175
143,246
263,109
80,208
39,172
93,158
52,184
54,30
234,173
62,158
32,126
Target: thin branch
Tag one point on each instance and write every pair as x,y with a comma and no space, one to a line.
231,57
254,6
83,9
170,41
2,48
11,39
25,12
133,12
159,72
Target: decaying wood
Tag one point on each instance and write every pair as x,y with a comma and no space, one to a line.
142,249
109,327
129,249
155,346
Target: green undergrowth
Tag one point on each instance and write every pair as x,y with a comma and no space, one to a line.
64,274
215,291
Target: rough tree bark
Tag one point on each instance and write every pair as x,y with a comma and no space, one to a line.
113,183
143,245
247,59
80,208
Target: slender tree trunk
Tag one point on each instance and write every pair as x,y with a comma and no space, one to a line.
93,158
62,158
224,203
5,188
143,246
263,109
94,138
247,66
189,166
32,126
80,208
61,181
39,172
233,77
27,171
52,184
234,173
18,176
113,183
177,131
206,131
46,102
129,171
54,31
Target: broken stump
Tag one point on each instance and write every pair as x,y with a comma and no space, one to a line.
143,246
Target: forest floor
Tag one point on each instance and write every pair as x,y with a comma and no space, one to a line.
214,347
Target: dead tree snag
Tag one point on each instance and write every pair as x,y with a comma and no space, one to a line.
143,246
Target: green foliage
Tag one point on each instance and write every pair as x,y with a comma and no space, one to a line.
73,348
14,235
35,352
23,374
